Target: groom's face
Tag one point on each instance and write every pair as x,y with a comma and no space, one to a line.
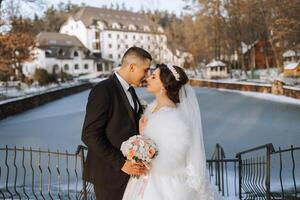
139,71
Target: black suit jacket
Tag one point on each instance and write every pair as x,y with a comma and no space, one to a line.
109,121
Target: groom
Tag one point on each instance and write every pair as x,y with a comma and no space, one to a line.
112,116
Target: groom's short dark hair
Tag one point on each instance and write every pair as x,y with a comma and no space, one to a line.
138,52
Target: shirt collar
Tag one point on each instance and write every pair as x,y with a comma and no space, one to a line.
124,84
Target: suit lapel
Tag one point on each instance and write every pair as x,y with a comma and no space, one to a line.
124,99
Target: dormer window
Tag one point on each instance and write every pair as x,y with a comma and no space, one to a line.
116,26
48,52
100,25
147,28
60,52
88,53
132,27
160,29
75,54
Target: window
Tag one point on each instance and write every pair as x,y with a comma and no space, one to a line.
141,37
109,35
131,27
86,66
55,68
148,37
60,52
110,56
48,52
75,54
146,28
126,36
99,67
96,45
66,67
119,46
97,35
119,56
126,46
118,36
133,37
110,45
76,66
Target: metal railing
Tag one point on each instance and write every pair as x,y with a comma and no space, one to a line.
218,169
37,174
289,189
254,172
258,169
258,173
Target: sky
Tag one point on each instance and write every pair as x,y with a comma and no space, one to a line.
174,6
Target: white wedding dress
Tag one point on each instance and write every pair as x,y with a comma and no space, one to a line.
173,174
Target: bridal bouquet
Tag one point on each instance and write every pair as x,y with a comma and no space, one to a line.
139,148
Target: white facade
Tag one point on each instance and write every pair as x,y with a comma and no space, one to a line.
216,69
113,38
75,66
59,52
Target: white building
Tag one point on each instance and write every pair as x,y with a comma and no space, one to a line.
109,33
57,52
217,69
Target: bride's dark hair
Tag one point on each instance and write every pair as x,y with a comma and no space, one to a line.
170,83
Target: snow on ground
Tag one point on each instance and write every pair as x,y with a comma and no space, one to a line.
266,96
16,94
235,81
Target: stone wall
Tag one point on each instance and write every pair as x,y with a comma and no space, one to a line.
22,104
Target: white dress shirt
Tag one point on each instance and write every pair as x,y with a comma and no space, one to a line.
126,86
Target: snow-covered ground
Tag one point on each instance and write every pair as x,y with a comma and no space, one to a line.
265,96
16,93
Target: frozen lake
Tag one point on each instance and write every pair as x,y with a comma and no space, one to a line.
234,120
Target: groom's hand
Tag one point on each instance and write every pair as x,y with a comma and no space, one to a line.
131,168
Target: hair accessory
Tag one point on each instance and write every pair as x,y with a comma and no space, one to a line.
174,72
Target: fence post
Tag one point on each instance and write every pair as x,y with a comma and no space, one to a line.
82,168
268,174
240,175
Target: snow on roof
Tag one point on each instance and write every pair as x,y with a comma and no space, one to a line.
246,48
288,53
216,63
291,65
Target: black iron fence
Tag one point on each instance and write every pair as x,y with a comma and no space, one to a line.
223,172
37,174
257,173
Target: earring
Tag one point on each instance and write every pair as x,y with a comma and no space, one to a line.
161,91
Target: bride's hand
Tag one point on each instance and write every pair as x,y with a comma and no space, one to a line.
142,123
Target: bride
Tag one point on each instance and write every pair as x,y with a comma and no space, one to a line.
173,122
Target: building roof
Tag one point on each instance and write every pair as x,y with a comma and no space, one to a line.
215,63
46,39
290,53
89,15
61,46
291,65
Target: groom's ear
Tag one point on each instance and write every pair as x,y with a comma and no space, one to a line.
131,67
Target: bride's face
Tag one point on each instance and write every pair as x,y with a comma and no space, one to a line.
154,83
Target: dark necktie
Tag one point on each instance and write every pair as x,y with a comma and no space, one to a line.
134,98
